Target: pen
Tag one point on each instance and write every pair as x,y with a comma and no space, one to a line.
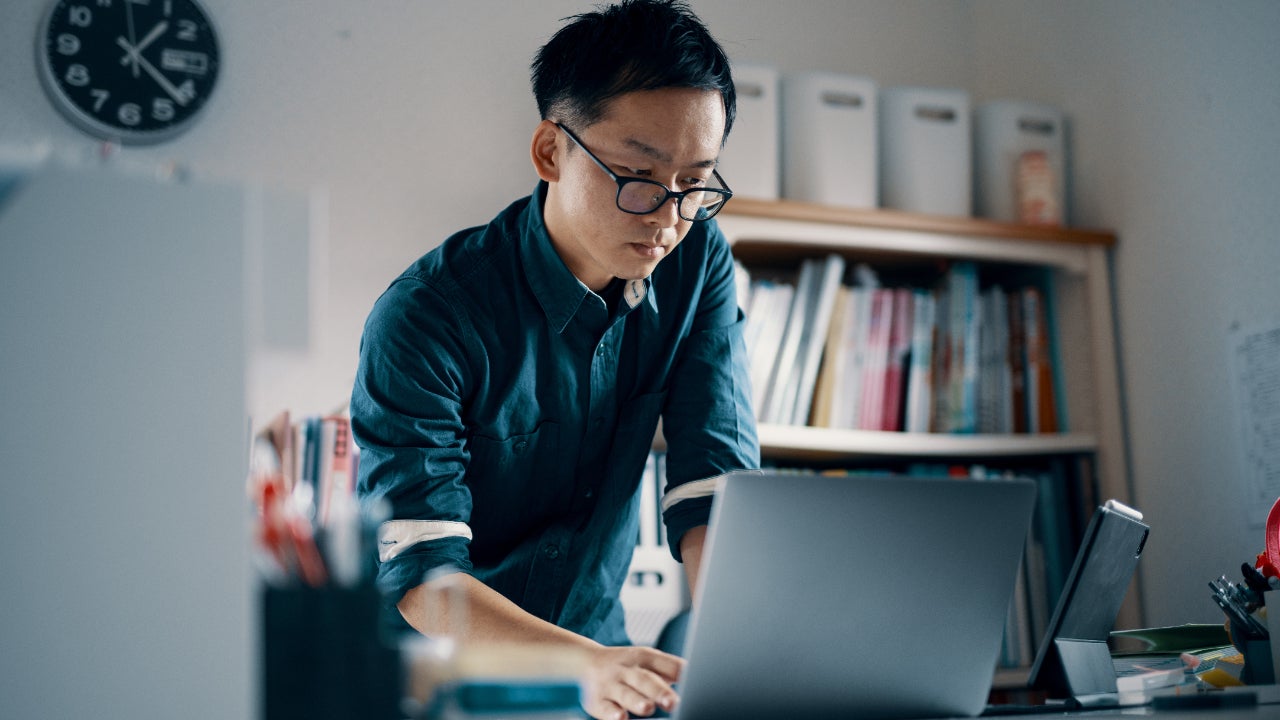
1239,617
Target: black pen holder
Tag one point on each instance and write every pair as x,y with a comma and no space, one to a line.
324,656
1258,666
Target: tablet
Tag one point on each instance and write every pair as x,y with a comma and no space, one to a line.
1073,660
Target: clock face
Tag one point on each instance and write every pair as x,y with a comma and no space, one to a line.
134,71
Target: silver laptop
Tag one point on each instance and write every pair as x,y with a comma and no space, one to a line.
856,597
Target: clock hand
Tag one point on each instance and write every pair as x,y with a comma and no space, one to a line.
128,15
181,97
151,36
135,51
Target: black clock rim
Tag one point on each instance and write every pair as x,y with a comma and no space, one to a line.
95,127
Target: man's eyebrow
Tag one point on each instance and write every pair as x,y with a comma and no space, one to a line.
653,152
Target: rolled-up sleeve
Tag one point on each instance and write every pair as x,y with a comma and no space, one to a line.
406,417
708,422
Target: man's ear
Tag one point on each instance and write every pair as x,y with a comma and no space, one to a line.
544,152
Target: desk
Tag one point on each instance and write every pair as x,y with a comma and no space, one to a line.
1268,706
1257,712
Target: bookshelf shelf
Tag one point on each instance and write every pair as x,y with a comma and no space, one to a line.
793,442
894,220
771,238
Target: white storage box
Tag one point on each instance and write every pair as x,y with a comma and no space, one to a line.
749,162
829,139
926,150
1020,162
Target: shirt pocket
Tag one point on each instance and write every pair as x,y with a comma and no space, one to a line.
512,478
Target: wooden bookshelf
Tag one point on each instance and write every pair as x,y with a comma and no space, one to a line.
772,235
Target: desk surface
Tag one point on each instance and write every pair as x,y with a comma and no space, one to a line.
1219,705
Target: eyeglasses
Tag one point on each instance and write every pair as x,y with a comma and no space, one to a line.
639,196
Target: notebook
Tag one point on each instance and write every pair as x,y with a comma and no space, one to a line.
881,598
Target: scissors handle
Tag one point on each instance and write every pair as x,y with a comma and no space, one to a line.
1269,559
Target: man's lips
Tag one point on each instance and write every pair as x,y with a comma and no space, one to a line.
649,251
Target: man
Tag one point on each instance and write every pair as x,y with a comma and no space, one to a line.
511,380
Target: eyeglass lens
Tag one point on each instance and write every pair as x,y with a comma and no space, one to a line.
643,196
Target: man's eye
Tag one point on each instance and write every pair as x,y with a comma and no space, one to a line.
638,172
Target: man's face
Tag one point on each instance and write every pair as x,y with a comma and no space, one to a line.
671,136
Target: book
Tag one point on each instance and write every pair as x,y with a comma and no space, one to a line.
1017,363
650,517
900,338
833,353
784,385
994,399
919,408
847,400
966,318
940,411
769,308
1042,413
830,272
876,363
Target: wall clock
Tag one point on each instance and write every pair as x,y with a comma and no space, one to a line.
132,71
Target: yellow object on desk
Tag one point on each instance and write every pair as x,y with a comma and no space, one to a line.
1220,668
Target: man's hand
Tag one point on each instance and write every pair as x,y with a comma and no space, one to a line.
624,681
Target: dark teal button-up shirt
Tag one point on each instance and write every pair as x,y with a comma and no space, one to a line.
505,411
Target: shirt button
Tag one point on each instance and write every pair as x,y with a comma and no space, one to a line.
600,351
589,494
551,551
521,447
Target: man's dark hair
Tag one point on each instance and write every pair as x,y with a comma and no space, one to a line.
633,45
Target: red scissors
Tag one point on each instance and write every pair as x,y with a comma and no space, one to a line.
1269,559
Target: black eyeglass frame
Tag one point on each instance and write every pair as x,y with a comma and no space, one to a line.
622,182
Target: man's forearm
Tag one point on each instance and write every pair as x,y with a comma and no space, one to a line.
691,554
461,606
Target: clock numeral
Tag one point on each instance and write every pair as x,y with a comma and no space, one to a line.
187,92
80,16
168,8
68,44
77,75
129,113
99,98
187,30
162,109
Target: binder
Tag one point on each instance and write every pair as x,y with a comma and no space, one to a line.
829,139
749,162
926,150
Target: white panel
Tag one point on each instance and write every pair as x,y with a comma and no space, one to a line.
122,506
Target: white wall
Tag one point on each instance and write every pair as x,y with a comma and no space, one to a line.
410,120
1175,109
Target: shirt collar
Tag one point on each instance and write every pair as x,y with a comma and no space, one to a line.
558,292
